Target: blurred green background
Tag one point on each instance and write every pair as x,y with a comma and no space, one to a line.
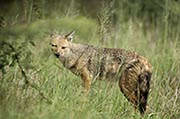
35,85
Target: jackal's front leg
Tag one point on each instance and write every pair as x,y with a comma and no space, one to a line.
86,77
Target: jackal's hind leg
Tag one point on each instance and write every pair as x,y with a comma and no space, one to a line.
128,86
134,84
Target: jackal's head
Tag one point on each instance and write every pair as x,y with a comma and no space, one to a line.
61,45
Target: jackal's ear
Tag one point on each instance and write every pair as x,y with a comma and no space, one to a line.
52,35
69,36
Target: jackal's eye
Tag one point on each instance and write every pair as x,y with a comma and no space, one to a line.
53,45
63,47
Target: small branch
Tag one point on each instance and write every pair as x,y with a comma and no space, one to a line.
27,82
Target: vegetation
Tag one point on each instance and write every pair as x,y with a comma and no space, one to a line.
34,84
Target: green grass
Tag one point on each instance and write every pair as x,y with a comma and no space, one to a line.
19,100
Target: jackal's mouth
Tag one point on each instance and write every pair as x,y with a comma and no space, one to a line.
57,55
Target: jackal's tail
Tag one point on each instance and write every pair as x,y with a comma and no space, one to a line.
144,85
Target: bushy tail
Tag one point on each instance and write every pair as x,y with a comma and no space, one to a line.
144,85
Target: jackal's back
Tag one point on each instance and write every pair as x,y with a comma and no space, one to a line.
107,63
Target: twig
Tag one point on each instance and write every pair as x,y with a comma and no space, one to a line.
27,82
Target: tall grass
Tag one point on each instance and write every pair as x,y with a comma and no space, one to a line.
49,81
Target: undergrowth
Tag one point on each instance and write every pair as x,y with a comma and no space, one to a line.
34,84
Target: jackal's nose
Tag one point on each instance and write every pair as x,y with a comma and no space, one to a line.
57,55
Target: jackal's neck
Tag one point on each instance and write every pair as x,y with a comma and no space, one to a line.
77,51
77,46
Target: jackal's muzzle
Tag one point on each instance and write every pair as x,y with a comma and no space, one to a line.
57,55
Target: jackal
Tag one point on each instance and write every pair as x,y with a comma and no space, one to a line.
132,71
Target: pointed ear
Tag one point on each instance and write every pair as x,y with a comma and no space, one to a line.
52,35
69,36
